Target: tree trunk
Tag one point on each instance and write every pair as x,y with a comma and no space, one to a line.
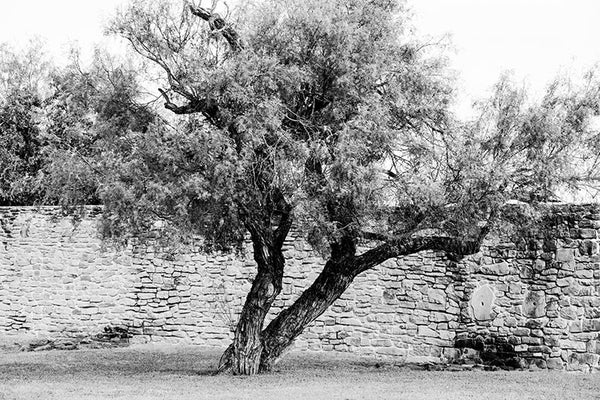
289,324
254,351
244,354
336,277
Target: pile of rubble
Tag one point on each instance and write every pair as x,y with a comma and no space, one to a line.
109,338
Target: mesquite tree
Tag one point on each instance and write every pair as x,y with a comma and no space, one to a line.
329,116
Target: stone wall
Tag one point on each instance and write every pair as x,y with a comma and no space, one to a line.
534,304
539,301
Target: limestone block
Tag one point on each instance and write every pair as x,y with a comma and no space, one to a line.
427,332
447,335
436,296
531,340
585,274
573,291
349,321
413,295
522,332
481,303
565,282
501,268
539,349
534,304
441,317
569,344
588,233
565,255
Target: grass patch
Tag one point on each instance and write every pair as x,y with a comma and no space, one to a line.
184,372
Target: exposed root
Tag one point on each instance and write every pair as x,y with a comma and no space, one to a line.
226,361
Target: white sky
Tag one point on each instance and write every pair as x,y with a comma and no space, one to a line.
534,38
57,22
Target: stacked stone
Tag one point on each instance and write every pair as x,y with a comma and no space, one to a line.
508,305
542,305
54,280
404,309
169,299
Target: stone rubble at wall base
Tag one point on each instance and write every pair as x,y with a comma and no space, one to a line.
506,306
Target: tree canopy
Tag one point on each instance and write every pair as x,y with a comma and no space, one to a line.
332,114
333,117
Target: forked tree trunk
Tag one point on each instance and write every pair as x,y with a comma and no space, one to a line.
291,322
244,354
254,351
336,277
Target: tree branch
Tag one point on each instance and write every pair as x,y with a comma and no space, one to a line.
285,224
218,24
407,245
190,108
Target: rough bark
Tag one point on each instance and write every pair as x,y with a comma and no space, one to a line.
289,324
243,356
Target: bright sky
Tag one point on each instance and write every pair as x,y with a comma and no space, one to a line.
534,38
57,22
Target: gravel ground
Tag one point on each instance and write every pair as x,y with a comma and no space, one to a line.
161,372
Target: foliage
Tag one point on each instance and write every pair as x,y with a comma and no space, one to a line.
353,140
57,122
90,113
24,71
308,113
178,177
21,96
357,140
533,147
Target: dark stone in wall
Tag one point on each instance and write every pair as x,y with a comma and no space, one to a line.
534,304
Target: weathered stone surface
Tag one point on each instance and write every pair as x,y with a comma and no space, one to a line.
565,255
534,305
501,268
436,296
588,233
481,303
